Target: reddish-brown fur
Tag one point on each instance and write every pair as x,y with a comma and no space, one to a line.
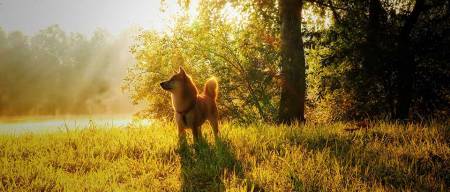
191,108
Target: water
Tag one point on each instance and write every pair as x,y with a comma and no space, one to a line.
42,125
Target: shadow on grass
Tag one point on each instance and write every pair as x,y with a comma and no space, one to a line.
204,166
411,174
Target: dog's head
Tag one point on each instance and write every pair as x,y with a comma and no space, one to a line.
176,82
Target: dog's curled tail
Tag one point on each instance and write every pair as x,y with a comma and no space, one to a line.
211,88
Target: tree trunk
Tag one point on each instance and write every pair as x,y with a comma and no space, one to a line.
406,63
373,68
376,16
292,102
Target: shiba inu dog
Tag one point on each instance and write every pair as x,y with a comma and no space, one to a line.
191,108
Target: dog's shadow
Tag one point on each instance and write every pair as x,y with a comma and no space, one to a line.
204,165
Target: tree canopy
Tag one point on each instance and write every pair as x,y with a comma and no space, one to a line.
364,59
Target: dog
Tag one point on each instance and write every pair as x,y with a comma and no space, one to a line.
191,108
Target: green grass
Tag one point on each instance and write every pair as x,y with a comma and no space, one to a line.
255,157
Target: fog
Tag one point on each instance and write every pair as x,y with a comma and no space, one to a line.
69,57
57,73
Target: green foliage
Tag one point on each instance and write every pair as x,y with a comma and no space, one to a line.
241,54
356,65
256,157
353,60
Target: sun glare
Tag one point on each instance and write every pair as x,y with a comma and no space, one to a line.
232,14
169,10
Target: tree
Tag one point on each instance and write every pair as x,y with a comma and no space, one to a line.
385,59
292,102
352,49
242,55
406,63
3,67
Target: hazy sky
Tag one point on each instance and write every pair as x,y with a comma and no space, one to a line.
84,16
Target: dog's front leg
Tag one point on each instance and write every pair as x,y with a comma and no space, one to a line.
197,133
181,131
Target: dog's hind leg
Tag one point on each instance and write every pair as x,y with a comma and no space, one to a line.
214,124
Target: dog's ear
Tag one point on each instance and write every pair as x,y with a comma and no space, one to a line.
181,71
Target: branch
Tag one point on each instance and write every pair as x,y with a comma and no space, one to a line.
330,5
419,7
336,16
327,5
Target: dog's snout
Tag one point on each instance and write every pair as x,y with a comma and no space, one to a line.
164,85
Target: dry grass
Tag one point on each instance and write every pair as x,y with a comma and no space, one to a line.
254,157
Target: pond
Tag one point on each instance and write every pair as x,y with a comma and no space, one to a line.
49,124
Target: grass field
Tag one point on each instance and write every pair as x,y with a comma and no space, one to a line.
247,158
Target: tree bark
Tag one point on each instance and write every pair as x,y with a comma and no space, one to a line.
406,63
292,102
376,14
